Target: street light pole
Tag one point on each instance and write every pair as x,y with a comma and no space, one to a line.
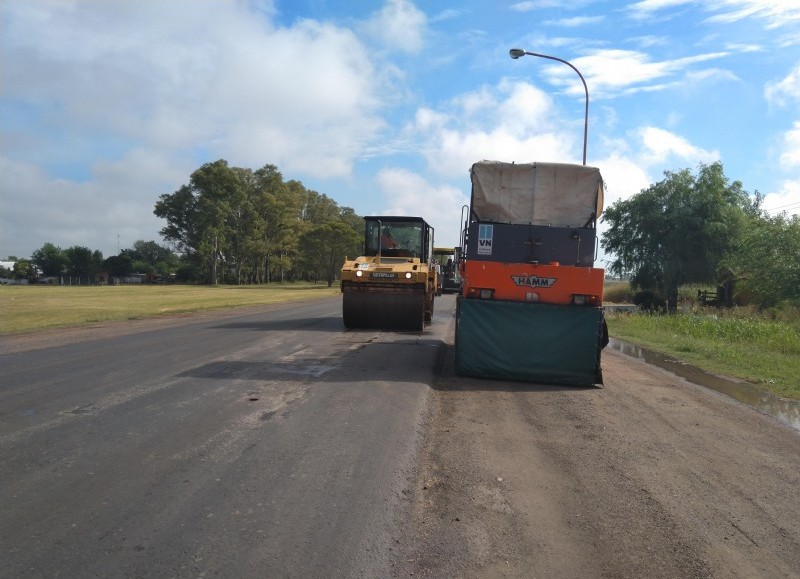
518,52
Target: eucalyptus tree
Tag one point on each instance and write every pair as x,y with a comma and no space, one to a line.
201,215
248,222
264,192
325,247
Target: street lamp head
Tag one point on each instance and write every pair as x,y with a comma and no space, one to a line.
516,53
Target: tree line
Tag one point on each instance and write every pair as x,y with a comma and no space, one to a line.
704,228
239,226
226,225
49,261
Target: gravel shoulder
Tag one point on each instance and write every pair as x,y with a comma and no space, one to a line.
650,476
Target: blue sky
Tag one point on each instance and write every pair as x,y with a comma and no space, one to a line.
381,105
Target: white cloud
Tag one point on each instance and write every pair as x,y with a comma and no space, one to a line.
149,87
648,8
530,5
790,157
787,199
651,40
784,91
250,91
92,214
775,13
576,21
399,26
614,71
408,193
662,147
624,176
513,121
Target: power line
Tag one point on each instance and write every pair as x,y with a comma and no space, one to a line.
781,208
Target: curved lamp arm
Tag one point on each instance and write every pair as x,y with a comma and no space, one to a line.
518,52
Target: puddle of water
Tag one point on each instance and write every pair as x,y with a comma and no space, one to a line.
787,411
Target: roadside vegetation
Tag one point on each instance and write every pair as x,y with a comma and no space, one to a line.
740,343
692,241
760,345
31,308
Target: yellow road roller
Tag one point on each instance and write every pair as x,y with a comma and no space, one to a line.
393,284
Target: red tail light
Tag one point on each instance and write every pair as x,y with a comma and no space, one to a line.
480,293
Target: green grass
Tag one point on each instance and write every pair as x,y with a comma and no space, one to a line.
30,308
732,343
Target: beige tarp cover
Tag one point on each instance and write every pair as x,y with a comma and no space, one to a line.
557,194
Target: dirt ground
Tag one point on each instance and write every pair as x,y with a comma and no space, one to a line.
649,476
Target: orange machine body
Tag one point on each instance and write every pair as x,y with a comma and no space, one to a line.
548,284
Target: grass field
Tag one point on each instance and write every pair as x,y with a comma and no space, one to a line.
30,308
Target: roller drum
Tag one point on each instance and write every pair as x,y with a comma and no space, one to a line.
382,309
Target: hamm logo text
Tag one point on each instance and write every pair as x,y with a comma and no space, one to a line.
533,281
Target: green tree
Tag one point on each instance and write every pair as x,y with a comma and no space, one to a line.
23,269
766,259
97,261
80,261
241,225
151,252
325,247
150,257
118,265
276,207
50,259
178,209
200,215
676,231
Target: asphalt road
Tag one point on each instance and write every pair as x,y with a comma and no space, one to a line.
275,444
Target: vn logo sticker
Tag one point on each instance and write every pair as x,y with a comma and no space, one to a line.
485,235
533,281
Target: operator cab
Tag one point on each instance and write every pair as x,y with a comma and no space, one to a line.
407,237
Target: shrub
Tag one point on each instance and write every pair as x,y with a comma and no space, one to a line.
650,301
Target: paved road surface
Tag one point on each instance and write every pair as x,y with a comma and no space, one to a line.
271,445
